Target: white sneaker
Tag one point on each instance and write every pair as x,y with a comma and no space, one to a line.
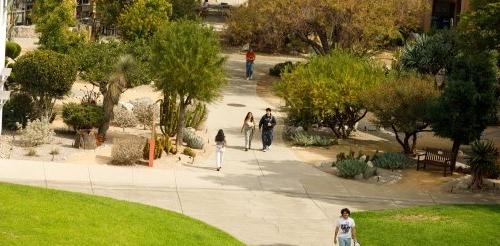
248,78
264,150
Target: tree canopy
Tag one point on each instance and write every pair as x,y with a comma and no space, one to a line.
142,18
53,20
45,76
325,24
404,105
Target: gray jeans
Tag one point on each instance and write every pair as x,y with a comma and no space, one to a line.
248,131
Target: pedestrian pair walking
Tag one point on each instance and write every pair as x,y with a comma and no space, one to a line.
266,126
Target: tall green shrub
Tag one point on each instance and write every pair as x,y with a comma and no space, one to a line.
45,76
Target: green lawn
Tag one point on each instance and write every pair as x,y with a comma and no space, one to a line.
34,216
471,225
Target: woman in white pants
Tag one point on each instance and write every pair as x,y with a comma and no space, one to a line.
220,147
248,128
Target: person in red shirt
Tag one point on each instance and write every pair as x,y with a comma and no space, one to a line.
250,57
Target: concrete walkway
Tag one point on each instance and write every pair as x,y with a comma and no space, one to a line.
261,198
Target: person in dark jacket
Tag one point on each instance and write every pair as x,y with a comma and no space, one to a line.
266,125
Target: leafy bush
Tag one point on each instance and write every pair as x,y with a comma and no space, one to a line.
143,112
303,138
82,116
31,152
123,118
127,150
189,152
190,137
37,132
18,109
280,68
349,168
12,50
391,160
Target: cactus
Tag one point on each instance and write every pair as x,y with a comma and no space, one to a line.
169,113
162,143
195,115
191,139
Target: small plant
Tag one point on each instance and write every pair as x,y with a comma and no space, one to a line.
189,152
54,152
303,138
82,116
90,96
123,118
191,139
127,150
482,161
349,168
196,115
36,132
144,112
391,160
31,152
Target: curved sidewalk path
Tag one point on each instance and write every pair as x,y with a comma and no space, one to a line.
261,198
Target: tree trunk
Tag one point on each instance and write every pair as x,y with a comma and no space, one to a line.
454,153
180,123
414,143
107,105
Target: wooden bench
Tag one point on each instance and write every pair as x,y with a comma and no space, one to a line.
435,157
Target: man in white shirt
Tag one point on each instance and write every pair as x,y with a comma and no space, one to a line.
347,229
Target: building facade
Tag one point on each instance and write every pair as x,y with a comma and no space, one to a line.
444,13
22,11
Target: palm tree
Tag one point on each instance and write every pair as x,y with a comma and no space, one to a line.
117,84
482,161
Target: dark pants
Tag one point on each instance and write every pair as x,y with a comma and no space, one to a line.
267,138
249,68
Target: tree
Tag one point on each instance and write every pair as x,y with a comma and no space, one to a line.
325,24
53,19
480,26
430,54
142,18
463,111
403,104
116,85
97,64
187,59
109,10
482,161
45,76
328,91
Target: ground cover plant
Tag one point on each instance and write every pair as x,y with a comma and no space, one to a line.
34,216
431,225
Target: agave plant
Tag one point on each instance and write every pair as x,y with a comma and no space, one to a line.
482,161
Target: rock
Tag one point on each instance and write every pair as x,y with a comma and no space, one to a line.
358,177
370,164
362,158
334,170
370,172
